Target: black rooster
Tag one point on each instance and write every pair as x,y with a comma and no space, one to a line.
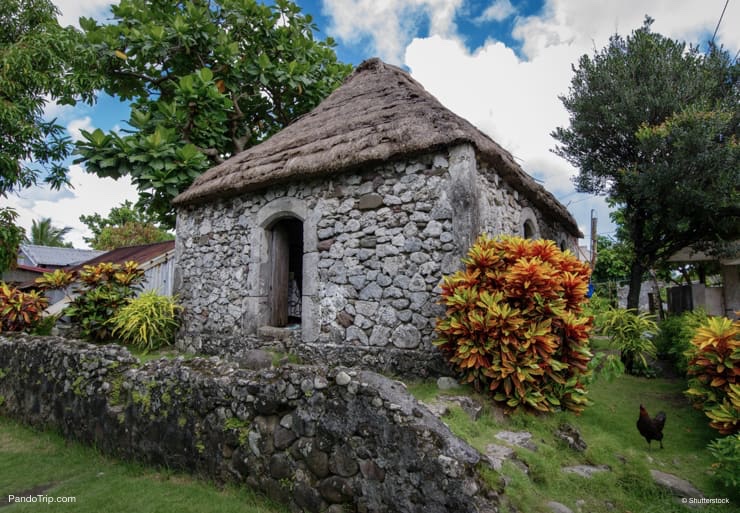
651,429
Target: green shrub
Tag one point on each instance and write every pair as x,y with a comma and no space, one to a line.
105,288
19,311
727,453
514,324
674,337
715,366
147,322
630,332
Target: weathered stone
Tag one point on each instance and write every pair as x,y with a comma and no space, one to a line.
281,466
381,336
345,320
370,201
557,507
335,489
318,463
675,485
498,454
447,383
342,462
520,438
572,436
586,470
283,438
343,379
256,359
406,337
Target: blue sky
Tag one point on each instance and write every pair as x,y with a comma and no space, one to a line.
501,64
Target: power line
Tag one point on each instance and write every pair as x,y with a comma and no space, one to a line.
720,20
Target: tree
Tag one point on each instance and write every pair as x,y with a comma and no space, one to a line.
612,262
43,233
11,236
36,61
207,79
654,126
124,226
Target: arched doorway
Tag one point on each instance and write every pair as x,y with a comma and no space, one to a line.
285,238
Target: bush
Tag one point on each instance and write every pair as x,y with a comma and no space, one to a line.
727,453
19,311
514,324
630,332
675,334
105,288
715,366
147,322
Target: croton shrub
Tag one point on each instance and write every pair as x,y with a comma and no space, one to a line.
714,371
515,326
102,290
20,311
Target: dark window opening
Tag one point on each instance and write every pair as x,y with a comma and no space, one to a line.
286,258
528,229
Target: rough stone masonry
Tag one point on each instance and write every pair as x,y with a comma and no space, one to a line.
321,441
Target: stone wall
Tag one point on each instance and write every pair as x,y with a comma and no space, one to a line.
376,244
334,441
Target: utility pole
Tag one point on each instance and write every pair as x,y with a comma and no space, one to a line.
594,251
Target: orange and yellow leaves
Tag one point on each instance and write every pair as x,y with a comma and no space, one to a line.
512,323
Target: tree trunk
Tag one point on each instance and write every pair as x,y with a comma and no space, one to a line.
636,273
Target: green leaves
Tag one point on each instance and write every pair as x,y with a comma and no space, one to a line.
514,326
147,322
217,77
715,365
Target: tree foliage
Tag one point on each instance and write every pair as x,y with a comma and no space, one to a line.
11,236
207,79
125,225
654,126
37,58
44,233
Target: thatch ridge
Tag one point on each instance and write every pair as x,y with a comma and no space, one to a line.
379,114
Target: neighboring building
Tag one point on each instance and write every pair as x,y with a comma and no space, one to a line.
338,229
722,300
51,257
156,260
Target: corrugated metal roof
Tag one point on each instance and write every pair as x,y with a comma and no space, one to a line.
141,254
57,257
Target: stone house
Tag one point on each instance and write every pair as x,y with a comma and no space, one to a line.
333,234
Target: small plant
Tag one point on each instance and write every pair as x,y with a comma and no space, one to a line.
715,366
147,322
727,453
20,311
514,324
630,332
105,288
674,337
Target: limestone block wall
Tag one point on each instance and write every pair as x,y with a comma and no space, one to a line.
376,243
320,441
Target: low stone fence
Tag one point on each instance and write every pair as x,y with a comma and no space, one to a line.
319,440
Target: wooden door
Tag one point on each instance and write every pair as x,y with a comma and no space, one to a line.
280,257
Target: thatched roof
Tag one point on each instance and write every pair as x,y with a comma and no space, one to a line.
379,114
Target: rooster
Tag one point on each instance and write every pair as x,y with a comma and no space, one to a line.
651,429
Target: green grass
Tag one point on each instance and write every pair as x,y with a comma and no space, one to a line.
30,458
609,428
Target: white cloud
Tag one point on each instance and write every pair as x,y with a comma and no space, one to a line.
72,10
89,195
74,127
499,10
388,25
515,100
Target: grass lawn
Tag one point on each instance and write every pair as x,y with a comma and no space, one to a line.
609,428
45,463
